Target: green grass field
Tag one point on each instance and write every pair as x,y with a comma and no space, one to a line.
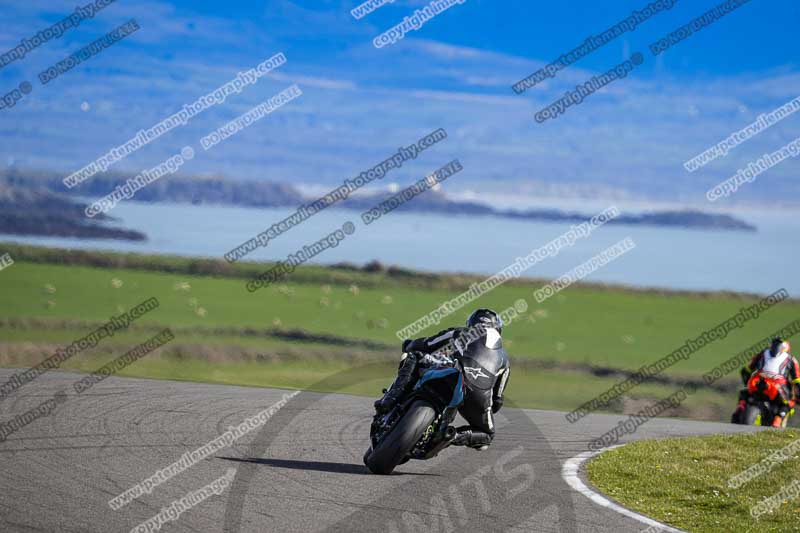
685,482
613,328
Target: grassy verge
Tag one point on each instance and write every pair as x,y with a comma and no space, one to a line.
582,325
684,482
349,314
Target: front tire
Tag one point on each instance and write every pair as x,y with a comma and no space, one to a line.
394,447
752,415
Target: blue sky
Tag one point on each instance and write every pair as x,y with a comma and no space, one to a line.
360,103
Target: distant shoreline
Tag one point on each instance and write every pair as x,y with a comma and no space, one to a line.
45,197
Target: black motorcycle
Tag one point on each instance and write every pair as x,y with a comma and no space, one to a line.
419,426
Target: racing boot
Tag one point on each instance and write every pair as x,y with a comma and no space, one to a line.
404,377
466,436
781,417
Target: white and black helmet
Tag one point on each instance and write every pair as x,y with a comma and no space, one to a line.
487,318
778,347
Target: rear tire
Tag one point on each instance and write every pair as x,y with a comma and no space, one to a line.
401,439
751,414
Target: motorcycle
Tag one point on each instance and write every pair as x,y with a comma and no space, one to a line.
763,403
419,426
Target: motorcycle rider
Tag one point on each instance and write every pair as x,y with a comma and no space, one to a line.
780,372
445,349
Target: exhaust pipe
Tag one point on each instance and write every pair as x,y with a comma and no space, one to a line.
449,435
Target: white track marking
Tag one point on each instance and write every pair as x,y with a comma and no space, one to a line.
570,474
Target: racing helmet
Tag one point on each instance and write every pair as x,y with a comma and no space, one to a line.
778,347
487,318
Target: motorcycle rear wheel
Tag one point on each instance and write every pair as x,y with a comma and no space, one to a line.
395,446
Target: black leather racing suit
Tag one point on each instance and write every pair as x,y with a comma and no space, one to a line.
486,370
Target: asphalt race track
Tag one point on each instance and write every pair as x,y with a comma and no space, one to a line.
301,471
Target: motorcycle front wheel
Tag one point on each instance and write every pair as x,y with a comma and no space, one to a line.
752,416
